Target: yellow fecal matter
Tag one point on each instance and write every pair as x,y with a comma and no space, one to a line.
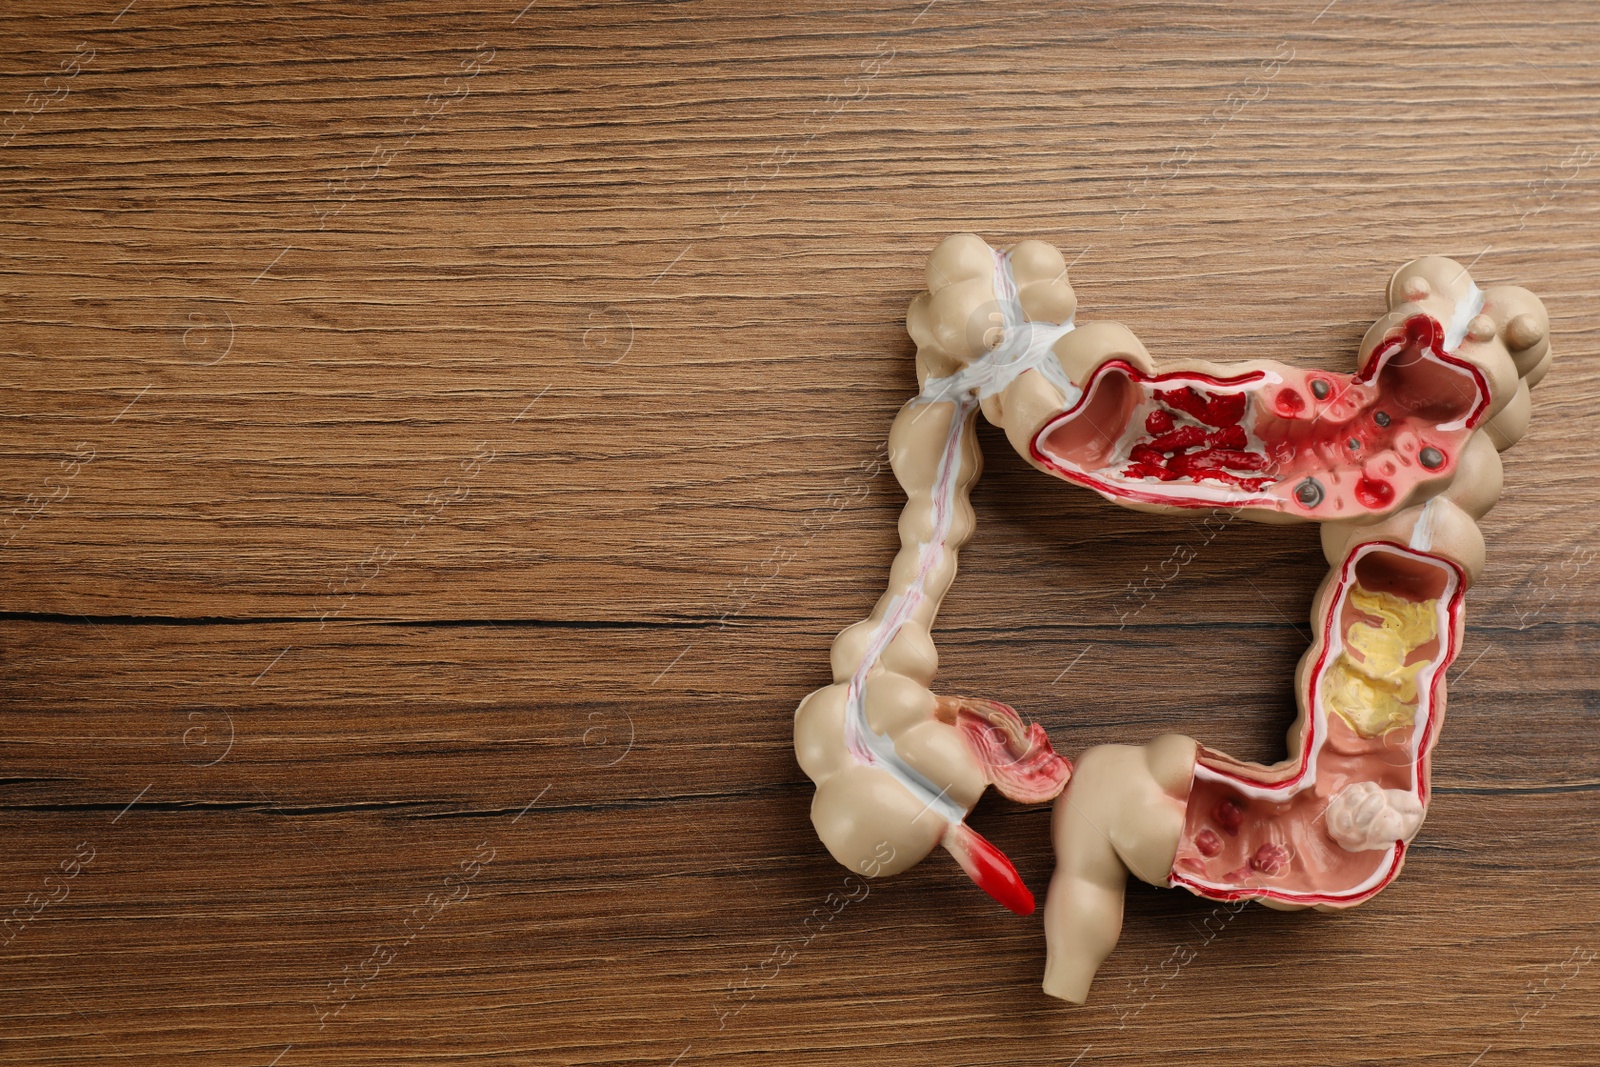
1376,689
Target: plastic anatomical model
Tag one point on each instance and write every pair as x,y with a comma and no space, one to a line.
1397,461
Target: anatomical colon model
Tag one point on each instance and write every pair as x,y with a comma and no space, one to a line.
1397,462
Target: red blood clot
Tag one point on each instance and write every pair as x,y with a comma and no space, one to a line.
1218,450
1228,437
1178,440
1218,409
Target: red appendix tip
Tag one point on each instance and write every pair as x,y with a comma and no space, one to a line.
988,867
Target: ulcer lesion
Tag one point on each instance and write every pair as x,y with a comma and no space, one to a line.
1376,691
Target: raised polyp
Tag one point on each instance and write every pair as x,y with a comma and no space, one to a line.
1229,816
1374,493
1270,858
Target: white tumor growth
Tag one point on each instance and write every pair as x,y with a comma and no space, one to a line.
1366,816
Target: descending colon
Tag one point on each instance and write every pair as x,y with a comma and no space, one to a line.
1375,690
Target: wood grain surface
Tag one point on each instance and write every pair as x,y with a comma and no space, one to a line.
440,442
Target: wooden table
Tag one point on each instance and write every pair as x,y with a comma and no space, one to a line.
440,442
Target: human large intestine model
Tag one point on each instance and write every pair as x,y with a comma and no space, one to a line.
1397,462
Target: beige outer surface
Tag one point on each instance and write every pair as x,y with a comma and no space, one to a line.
869,820
859,808
1123,811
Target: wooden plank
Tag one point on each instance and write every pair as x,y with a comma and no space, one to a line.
442,444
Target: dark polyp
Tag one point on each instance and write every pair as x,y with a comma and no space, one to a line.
1381,418
1309,492
1320,388
1431,458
